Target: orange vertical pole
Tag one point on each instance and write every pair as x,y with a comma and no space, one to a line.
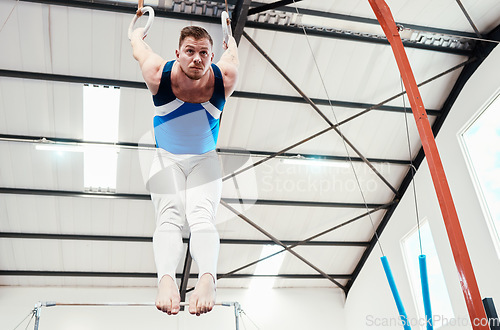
455,235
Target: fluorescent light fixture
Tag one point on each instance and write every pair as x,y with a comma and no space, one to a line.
315,162
74,147
269,266
59,147
101,105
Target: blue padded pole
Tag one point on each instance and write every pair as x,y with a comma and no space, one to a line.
395,293
425,291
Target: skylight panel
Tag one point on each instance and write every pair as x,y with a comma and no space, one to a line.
269,266
101,106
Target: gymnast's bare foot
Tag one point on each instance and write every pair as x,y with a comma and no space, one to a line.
168,298
202,299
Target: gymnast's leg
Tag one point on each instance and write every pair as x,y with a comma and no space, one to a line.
167,187
203,193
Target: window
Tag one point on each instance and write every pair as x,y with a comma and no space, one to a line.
440,300
481,146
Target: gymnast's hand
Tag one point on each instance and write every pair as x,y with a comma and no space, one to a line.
139,33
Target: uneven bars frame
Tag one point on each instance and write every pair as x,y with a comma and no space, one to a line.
39,305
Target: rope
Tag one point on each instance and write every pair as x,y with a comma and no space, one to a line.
412,169
3,25
139,8
228,20
342,136
469,18
29,322
32,313
248,317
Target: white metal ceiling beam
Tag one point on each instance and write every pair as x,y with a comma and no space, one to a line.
148,239
153,275
268,202
237,94
222,151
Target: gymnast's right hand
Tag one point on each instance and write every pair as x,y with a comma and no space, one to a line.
138,33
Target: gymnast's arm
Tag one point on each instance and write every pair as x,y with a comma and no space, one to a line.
151,63
229,64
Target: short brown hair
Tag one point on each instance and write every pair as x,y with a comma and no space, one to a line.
195,32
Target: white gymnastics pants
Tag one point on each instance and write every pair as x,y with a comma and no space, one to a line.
185,188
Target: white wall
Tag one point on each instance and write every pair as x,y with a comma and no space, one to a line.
370,296
291,309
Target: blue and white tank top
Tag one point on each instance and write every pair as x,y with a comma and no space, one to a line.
187,128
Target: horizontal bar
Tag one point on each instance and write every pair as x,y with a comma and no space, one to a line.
237,94
67,193
120,304
144,239
154,275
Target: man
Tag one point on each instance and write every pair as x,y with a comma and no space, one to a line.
189,94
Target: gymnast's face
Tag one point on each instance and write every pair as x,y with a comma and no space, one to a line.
195,57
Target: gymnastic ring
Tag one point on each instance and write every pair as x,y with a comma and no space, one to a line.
226,27
151,18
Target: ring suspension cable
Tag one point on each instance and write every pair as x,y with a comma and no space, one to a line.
462,7
31,318
243,324
32,313
341,134
139,8
12,10
424,279
251,321
412,169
